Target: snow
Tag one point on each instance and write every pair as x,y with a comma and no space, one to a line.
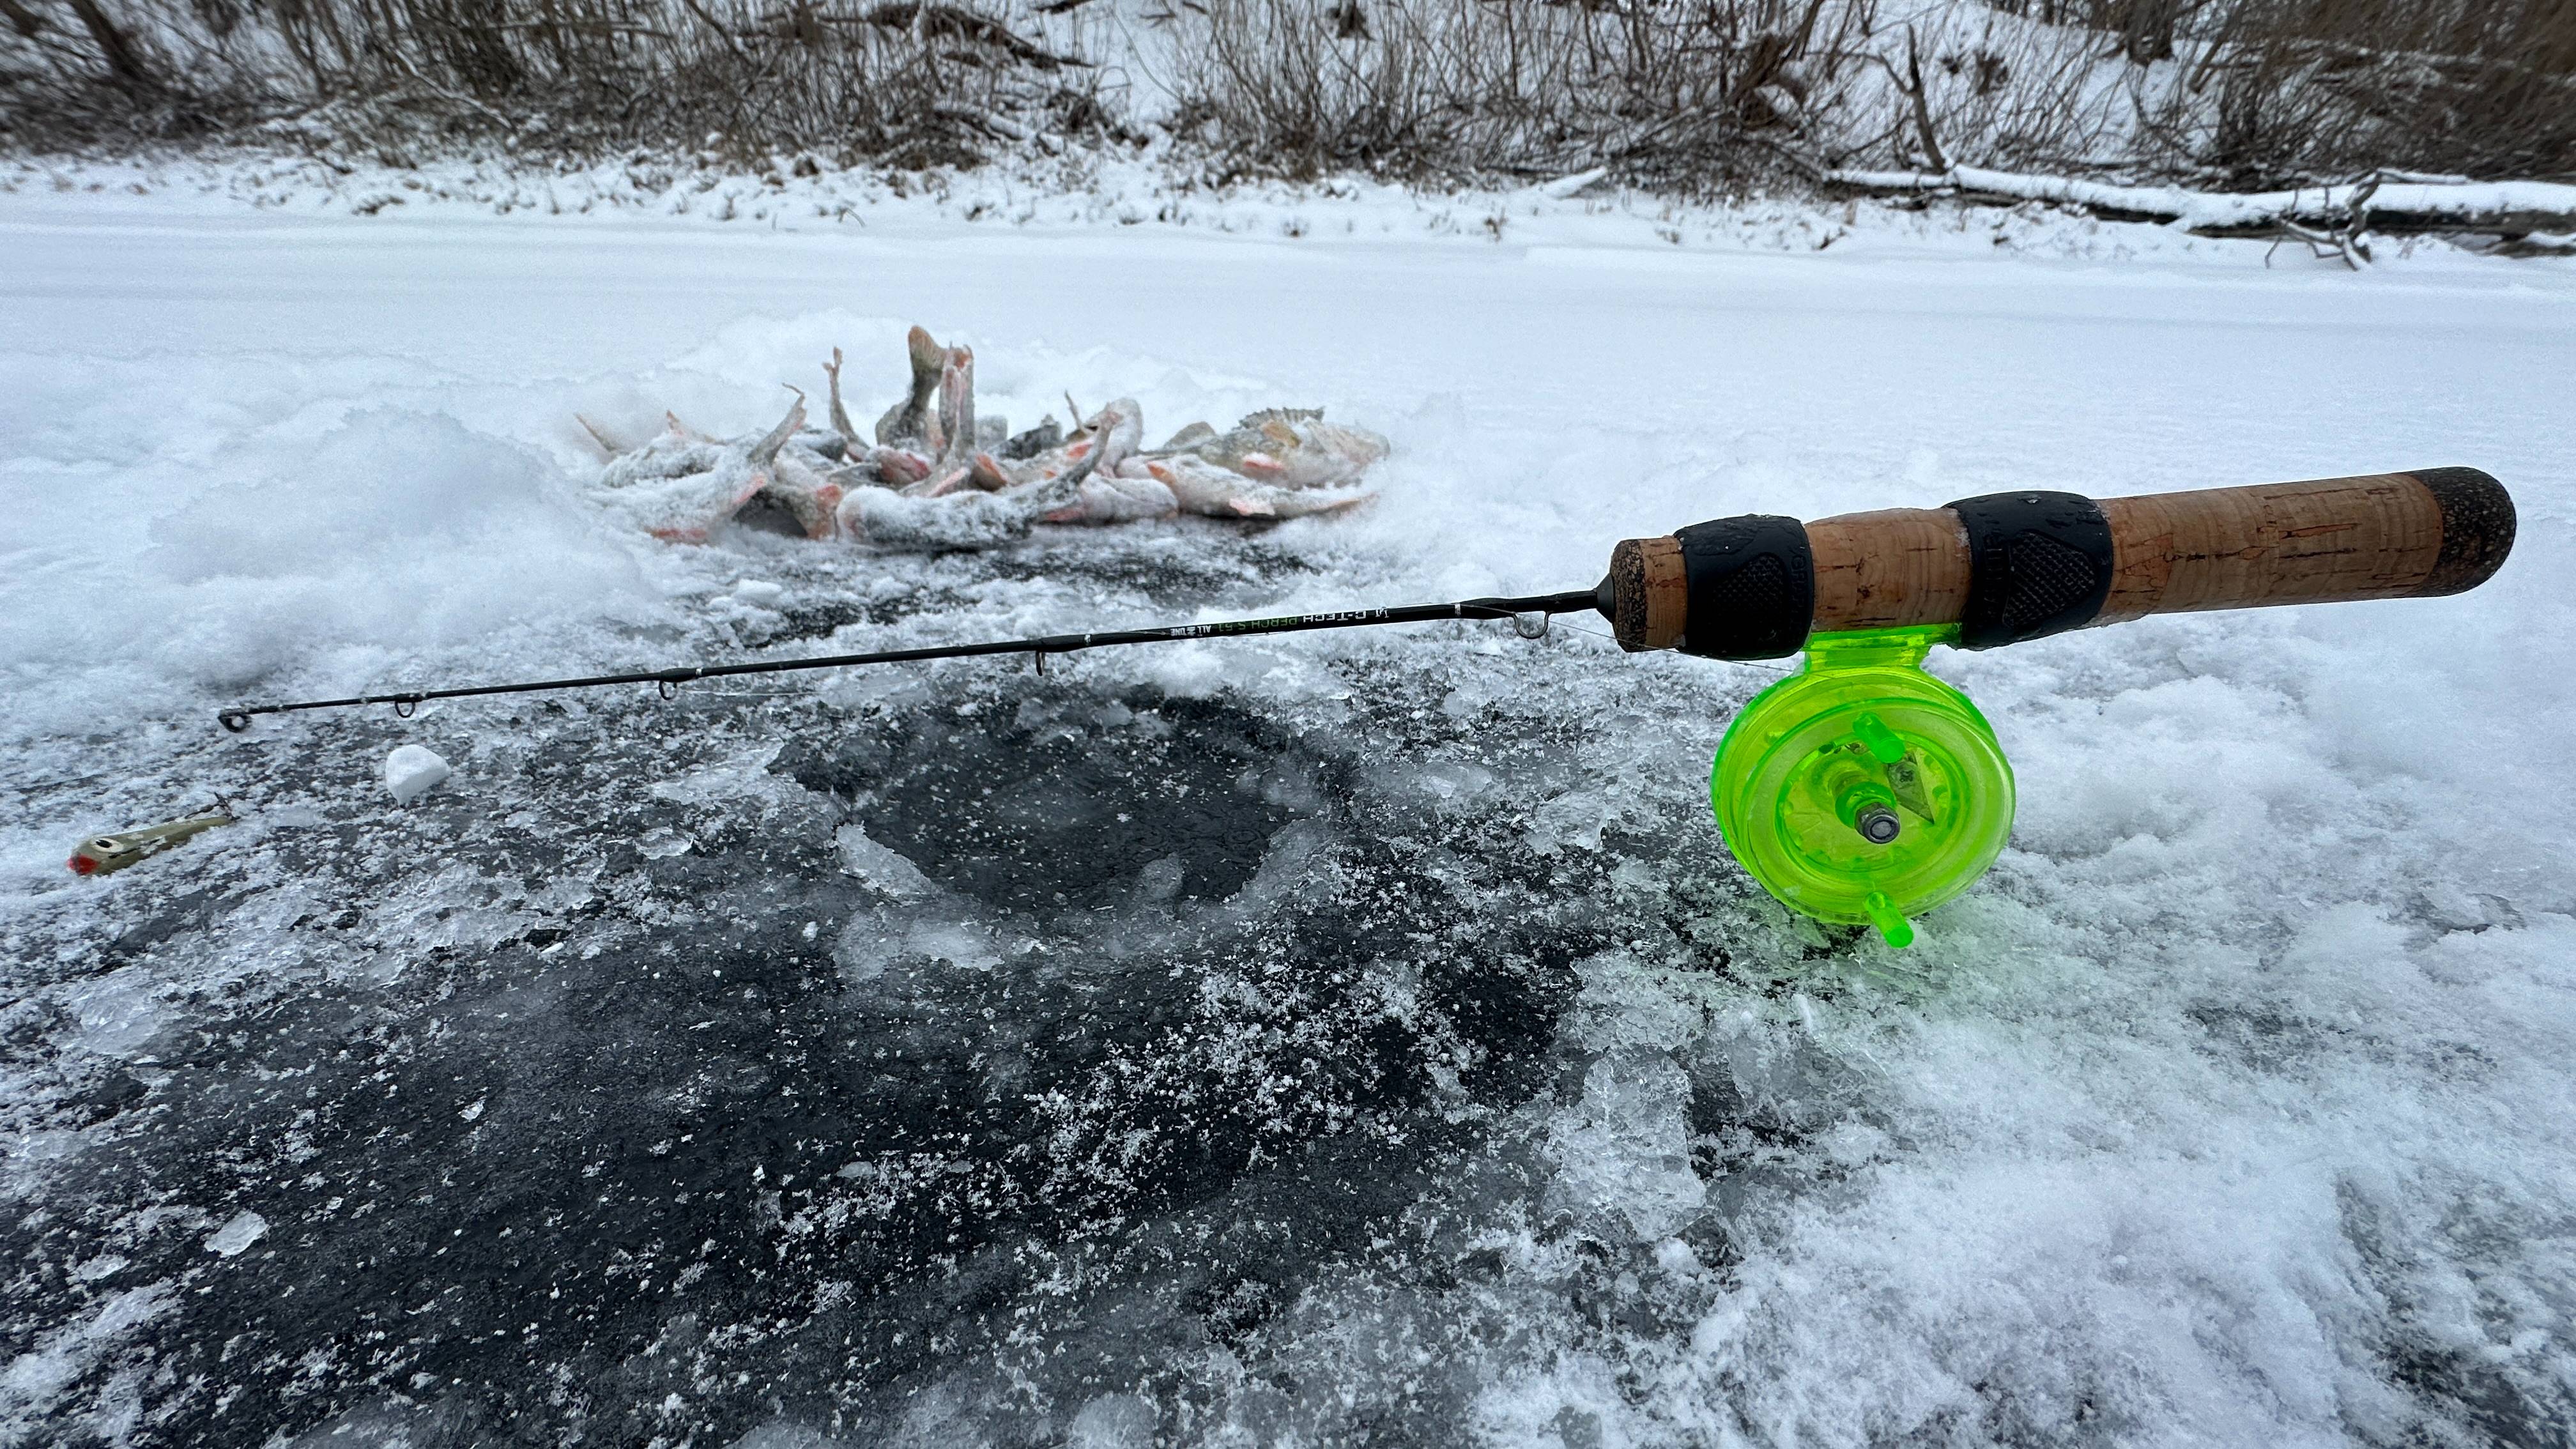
412,771
1265,1040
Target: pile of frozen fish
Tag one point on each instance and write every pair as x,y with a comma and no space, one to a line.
933,475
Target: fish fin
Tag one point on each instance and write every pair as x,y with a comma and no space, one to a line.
1279,415
957,401
840,415
915,416
1309,504
767,448
927,356
600,435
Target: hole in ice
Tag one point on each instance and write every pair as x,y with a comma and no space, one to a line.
1074,801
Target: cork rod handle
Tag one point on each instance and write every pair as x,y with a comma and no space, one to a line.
2014,566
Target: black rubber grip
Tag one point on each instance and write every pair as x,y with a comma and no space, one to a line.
1752,587
2477,529
2038,564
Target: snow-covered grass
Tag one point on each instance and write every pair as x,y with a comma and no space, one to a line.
1446,1083
1088,195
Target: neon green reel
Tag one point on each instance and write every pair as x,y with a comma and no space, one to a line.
1862,790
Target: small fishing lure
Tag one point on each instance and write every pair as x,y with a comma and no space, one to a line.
105,854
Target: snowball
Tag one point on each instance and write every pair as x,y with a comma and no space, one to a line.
244,1230
413,771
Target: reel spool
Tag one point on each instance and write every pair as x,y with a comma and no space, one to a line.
1862,790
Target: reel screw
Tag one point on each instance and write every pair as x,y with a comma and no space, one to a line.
1877,824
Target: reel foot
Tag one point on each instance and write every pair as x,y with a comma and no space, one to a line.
1891,922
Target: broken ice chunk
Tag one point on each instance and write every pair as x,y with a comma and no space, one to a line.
230,1239
413,771
879,865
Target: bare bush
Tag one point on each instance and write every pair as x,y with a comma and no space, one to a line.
1698,94
1705,93
1679,95
903,82
2473,87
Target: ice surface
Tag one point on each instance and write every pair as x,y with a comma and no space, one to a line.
1292,1040
412,771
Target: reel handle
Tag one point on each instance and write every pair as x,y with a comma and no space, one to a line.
2008,567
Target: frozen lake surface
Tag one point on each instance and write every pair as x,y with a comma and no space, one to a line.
1321,1040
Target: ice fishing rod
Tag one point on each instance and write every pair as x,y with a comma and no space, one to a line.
238,719
1861,789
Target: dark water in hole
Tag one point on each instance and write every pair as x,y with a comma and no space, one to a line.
1065,806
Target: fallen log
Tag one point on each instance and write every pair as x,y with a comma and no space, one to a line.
2393,208
928,18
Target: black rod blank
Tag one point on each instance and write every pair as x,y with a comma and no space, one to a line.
238,719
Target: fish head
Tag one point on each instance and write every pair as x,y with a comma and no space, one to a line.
898,466
1121,430
1357,446
101,854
